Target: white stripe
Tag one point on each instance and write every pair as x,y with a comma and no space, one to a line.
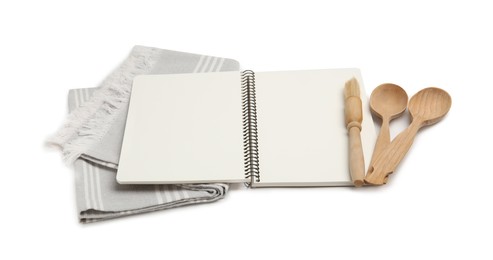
159,197
91,186
214,61
180,193
172,192
76,99
86,185
197,67
167,194
98,187
184,193
206,63
87,95
81,97
220,65
177,193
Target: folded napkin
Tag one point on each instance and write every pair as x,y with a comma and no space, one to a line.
92,137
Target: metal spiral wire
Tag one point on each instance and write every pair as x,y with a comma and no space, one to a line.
250,137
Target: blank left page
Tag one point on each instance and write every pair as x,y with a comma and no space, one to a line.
183,128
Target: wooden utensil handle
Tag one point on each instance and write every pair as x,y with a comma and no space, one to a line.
383,142
390,158
356,159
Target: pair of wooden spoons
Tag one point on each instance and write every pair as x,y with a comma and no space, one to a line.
389,101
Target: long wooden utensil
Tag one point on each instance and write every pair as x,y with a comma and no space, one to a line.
354,116
387,101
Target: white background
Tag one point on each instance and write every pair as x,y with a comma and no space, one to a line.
436,205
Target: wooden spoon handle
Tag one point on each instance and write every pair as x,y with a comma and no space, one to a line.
390,158
383,142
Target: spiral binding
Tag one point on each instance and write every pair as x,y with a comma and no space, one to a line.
250,138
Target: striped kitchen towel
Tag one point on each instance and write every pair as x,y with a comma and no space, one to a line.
92,136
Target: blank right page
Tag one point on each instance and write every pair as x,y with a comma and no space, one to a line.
302,137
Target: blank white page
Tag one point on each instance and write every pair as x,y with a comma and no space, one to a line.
302,137
183,128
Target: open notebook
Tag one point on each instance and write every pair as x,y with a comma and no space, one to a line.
281,128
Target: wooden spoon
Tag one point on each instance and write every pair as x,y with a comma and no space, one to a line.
427,107
387,101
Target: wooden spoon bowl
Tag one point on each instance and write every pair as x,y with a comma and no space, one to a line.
388,101
429,105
